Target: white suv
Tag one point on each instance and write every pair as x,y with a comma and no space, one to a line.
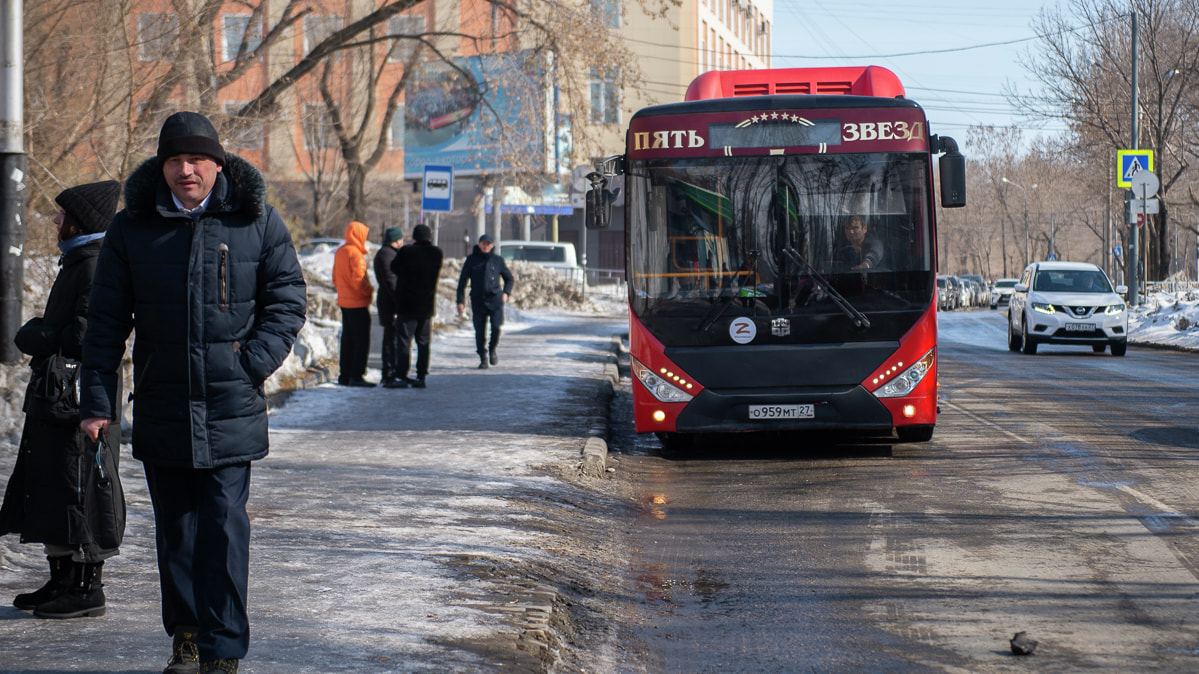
1067,303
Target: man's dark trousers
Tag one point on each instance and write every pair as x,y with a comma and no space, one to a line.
480,314
389,351
407,329
355,343
202,532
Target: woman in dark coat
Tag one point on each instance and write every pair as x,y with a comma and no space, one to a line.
44,484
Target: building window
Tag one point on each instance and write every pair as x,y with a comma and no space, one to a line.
241,133
404,24
156,32
317,128
395,133
606,12
318,27
605,98
234,28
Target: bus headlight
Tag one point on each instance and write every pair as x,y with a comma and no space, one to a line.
659,386
905,382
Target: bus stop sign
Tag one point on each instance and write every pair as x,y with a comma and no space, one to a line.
438,194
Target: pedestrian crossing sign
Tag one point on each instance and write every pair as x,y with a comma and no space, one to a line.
1128,162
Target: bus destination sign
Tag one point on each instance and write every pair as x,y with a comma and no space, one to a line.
777,132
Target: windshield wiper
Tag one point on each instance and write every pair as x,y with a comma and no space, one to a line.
859,318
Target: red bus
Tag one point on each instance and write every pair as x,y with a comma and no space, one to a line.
781,258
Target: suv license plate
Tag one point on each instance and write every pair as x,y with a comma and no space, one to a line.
1080,327
771,412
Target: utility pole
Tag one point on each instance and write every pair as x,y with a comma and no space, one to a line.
1132,257
12,178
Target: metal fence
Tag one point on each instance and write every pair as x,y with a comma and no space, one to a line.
1170,286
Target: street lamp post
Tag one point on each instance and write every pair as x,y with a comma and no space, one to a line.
1027,240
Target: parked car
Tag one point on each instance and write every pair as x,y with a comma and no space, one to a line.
1067,303
965,292
556,255
981,290
317,245
1001,292
326,245
944,294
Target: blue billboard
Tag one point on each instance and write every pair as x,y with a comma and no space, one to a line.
476,114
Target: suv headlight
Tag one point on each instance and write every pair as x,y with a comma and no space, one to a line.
1113,309
905,382
667,387
1042,307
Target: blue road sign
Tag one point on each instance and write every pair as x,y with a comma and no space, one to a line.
438,194
1128,162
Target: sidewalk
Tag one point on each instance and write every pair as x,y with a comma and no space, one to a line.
444,529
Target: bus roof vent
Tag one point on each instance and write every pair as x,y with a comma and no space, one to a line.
792,88
751,89
838,88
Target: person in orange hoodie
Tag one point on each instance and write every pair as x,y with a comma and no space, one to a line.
354,293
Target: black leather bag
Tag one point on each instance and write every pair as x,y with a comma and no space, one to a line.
53,392
98,522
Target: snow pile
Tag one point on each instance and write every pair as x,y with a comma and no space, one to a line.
1170,319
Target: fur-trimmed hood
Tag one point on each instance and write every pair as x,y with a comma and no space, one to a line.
240,188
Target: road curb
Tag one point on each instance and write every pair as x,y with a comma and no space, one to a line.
595,447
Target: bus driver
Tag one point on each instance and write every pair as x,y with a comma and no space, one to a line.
858,250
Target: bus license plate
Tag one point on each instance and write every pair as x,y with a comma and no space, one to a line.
772,412
1080,327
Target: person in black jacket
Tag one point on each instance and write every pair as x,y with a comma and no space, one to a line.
44,488
859,249
385,303
484,271
203,272
417,267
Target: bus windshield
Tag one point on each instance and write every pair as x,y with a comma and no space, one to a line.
780,236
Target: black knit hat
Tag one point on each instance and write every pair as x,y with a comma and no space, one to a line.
91,206
189,133
422,233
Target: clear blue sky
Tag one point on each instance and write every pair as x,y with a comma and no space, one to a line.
958,86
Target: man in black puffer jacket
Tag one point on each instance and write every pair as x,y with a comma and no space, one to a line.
490,285
204,272
417,268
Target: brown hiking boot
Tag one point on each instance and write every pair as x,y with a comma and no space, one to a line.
185,654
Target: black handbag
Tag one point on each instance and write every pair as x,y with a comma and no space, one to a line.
97,522
53,391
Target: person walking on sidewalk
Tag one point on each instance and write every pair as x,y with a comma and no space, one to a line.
203,272
385,303
354,292
484,270
43,493
417,268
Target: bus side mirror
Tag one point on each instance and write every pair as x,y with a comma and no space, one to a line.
953,172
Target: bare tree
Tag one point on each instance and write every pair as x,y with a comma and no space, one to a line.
1083,63
128,63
